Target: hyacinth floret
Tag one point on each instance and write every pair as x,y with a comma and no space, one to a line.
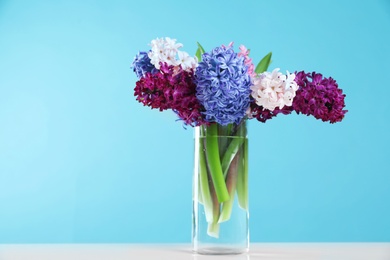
223,85
141,64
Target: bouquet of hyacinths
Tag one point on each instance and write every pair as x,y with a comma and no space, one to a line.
217,91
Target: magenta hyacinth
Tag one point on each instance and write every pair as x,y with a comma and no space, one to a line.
171,88
319,96
262,114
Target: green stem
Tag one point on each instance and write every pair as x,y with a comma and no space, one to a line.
224,132
231,182
242,179
213,229
213,225
214,163
200,196
231,151
204,183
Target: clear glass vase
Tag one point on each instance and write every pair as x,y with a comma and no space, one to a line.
220,191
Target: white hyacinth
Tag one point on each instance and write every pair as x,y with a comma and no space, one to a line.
186,61
166,50
273,89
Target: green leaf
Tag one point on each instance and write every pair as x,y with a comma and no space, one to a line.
198,55
264,63
200,47
199,52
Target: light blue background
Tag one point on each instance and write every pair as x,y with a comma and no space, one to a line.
82,161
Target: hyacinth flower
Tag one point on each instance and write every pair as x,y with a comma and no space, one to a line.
171,89
142,65
319,97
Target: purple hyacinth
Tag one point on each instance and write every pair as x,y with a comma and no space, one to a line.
223,86
262,114
319,96
141,65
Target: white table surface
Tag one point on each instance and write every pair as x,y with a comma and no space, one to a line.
280,251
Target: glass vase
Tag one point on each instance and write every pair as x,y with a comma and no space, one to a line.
220,189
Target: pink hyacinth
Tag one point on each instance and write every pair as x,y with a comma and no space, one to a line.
244,52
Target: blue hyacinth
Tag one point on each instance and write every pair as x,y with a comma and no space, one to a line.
223,86
141,64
